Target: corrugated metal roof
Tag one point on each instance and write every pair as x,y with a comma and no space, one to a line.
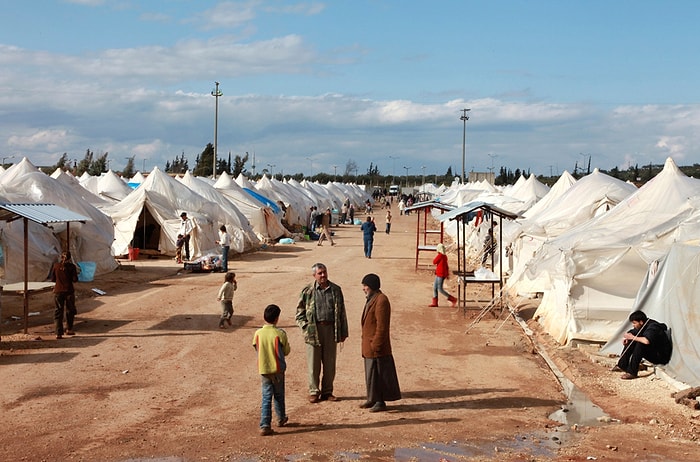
470,207
430,204
39,213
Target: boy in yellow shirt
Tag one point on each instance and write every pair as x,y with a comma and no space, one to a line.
272,346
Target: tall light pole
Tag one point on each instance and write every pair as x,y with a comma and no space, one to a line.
216,93
393,167
6,157
335,173
464,119
272,174
407,168
492,156
423,168
311,164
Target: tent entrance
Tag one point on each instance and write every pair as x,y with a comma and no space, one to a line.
147,232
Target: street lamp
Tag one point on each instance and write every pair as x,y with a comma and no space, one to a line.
272,174
6,157
393,167
335,173
311,163
492,156
464,119
216,93
407,169
423,168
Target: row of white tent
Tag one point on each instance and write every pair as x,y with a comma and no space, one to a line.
587,246
145,212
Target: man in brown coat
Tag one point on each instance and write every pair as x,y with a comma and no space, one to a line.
380,371
64,275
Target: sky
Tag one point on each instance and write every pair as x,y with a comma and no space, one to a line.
310,87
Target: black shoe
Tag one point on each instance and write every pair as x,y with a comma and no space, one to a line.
283,422
367,405
380,406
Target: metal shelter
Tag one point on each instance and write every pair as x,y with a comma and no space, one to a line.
464,215
427,239
43,214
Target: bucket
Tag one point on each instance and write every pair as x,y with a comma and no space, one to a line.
87,271
133,253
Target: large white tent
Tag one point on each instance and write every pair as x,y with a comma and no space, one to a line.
594,269
669,294
149,218
266,224
89,241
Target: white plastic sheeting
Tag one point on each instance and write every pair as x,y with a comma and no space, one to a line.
594,270
164,198
90,241
669,293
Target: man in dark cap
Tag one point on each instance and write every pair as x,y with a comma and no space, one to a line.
322,318
186,228
380,370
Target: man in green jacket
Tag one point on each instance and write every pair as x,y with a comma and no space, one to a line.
322,318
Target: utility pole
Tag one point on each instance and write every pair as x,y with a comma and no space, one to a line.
464,119
216,93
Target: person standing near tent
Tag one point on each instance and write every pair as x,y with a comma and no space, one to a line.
323,320
442,272
388,221
225,243
186,228
64,274
648,339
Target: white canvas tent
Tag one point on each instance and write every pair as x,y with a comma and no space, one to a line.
266,224
89,241
669,293
149,218
593,270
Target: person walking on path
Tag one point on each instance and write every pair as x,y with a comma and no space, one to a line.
381,379
225,296
225,243
64,274
326,228
186,228
272,346
323,320
388,221
368,228
442,272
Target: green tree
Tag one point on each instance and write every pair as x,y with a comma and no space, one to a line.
98,166
84,164
239,165
129,170
204,163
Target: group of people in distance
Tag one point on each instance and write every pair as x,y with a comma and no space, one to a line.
322,318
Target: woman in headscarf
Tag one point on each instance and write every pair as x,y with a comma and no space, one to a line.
380,369
442,272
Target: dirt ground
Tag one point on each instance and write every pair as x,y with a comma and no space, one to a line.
150,376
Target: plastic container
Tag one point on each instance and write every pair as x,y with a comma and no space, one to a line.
134,253
87,271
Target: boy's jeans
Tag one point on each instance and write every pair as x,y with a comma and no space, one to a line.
272,388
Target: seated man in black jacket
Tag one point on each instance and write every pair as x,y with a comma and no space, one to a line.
648,340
